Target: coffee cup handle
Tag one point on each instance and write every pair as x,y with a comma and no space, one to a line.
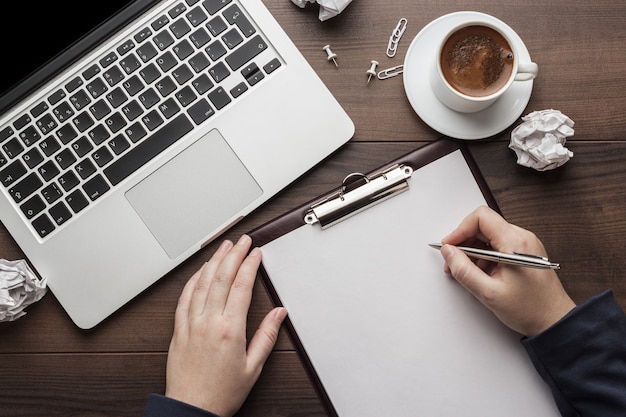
526,71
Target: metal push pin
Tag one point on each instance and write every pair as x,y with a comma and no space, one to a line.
331,54
372,71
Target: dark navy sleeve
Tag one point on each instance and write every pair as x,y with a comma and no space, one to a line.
160,406
583,359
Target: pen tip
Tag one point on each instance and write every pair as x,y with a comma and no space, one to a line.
435,245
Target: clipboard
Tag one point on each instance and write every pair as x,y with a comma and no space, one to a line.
379,327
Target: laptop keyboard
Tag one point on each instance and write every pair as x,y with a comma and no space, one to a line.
112,116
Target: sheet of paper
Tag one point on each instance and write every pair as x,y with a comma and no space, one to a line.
388,333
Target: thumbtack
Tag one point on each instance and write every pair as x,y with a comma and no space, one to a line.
331,54
372,71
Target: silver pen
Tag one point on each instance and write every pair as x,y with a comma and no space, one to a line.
532,261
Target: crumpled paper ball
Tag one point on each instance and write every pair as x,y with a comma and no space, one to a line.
328,8
539,141
19,288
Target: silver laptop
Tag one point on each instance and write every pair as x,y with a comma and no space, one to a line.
148,136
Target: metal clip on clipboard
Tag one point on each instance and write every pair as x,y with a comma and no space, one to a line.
357,193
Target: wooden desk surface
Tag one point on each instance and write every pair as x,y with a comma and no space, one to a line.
49,367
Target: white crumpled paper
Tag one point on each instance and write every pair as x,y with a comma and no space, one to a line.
328,8
539,141
19,288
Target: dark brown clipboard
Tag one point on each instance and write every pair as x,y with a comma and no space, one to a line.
293,219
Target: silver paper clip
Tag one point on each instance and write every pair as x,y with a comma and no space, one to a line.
394,39
391,72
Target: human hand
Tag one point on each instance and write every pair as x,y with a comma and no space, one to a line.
208,365
528,300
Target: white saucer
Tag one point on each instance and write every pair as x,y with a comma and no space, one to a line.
420,60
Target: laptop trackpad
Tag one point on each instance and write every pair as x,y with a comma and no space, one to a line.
194,194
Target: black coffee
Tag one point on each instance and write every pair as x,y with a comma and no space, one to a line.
477,61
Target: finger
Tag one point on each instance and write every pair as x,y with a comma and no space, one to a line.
486,225
240,295
200,287
264,339
467,273
224,275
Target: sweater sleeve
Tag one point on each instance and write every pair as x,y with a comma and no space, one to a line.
160,406
583,359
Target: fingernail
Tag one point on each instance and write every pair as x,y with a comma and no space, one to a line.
446,251
225,246
280,313
255,252
244,240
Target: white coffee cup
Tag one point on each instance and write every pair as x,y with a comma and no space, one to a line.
479,81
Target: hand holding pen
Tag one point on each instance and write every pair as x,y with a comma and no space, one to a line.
528,300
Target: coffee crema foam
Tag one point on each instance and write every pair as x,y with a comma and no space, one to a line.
477,61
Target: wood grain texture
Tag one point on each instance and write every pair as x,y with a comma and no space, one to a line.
579,210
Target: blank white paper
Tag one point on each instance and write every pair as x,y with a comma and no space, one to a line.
387,331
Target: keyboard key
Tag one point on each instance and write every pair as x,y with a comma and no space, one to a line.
102,156
202,84
25,187
133,85
148,98
119,144
215,50
167,61
199,62
48,171
186,96
150,73
216,25
214,6
146,52
126,47
148,149
33,157
169,108
43,225
232,38
246,52
160,22
98,134
142,35
65,158
66,133
63,112
68,180
180,28
82,146
272,66
12,173
234,16
219,72
165,86
55,97
99,109
22,121
74,84
152,120
182,74
201,111
85,168
29,135
6,133
132,110
116,97
163,39
33,207
46,124
177,10
60,213
51,193
130,64
219,98
83,121
200,38
80,100
38,110
97,87
115,122
13,148
77,201
91,72
113,75
108,59
96,187
135,132
49,145
196,16
238,90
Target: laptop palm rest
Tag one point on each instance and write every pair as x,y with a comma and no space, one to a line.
194,194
